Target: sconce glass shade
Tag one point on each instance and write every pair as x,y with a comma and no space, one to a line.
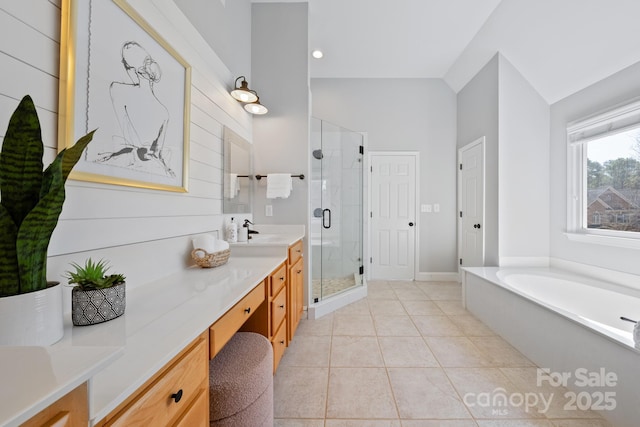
256,107
243,93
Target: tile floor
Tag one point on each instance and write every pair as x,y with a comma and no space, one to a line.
406,356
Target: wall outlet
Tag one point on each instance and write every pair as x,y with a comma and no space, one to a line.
268,210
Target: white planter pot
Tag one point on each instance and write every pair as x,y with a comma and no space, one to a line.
32,319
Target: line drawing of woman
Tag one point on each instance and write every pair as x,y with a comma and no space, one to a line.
142,117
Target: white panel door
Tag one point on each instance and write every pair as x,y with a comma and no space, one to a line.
393,210
471,176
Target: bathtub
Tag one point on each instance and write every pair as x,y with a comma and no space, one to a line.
564,322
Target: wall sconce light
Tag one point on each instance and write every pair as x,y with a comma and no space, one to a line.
248,96
255,107
243,93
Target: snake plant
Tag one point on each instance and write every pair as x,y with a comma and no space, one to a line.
30,200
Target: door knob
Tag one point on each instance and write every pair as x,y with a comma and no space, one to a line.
410,224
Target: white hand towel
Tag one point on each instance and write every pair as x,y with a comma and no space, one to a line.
206,242
279,185
231,186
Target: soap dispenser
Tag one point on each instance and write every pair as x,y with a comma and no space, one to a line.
243,233
232,231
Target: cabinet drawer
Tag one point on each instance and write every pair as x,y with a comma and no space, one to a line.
295,252
70,410
222,331
278,309
279,344
171,394
278,279
198,413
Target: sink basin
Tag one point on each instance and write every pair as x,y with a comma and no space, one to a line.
263,238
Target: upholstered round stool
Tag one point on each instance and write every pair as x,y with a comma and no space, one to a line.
241,383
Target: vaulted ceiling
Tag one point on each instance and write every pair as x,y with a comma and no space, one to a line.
560,46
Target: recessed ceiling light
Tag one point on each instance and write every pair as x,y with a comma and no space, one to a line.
317,54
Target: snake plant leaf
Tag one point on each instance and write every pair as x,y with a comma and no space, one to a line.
35,232
31,200
21,161
9,285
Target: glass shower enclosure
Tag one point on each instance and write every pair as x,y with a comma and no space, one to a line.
336,197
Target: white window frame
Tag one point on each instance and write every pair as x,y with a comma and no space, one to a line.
610,122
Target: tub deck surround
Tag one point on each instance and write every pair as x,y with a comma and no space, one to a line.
560,338
35,377
118,356
557,290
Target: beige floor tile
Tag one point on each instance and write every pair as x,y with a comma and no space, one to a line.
480,389
346,398
400,283
580,423
425,393
456,352
356,308
398,326
471,326
526,380
381,293
419,307
446,291
436,326
347,351
406,352
410,293
439,423
286,422
377,283
300,392
452,308
381,306
363,423
307,350
358,325
499,352
321,326
514,423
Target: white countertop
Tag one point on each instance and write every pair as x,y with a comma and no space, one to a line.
161,318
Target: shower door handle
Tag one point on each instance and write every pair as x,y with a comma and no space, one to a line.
324,218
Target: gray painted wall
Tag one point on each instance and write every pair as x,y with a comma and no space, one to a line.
618,88
424,122
279,66
226,28
478,117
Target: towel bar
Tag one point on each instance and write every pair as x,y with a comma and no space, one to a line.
259,177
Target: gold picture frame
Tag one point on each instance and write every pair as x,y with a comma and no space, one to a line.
117,74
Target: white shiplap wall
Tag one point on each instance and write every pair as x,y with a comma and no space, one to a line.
144,233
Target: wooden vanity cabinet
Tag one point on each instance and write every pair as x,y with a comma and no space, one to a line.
177,395
270,319
71,410
296,287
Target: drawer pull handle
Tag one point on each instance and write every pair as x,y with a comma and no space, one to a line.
247,310
299,271
282,279
299,251
177,396
282,342
281,306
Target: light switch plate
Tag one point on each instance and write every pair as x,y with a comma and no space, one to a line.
268,210
425,208
436,207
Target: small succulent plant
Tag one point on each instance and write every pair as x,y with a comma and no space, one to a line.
93,275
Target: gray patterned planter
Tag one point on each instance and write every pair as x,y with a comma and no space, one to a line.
97,306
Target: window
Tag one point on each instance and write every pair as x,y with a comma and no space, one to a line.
604,176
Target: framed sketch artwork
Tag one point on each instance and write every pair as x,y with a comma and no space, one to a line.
119,76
